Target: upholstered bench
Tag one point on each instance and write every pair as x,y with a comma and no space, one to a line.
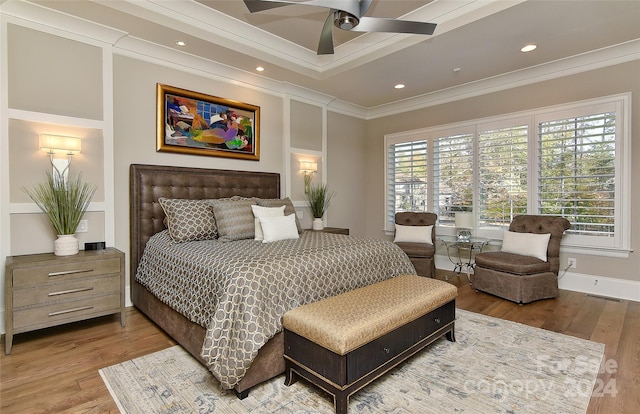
344,342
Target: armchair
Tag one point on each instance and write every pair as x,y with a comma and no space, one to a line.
417,241
514,273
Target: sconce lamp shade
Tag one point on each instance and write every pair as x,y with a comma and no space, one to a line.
464,220
53,144
308,166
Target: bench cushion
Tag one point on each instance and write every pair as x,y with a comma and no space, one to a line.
347,321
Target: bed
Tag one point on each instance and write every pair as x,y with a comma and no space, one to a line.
150,185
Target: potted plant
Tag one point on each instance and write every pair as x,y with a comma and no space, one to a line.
319,197
64,201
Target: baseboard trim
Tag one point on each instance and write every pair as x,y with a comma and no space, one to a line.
577,282
601,286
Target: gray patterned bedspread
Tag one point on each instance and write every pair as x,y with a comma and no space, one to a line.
239,290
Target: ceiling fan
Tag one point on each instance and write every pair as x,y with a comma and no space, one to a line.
350,17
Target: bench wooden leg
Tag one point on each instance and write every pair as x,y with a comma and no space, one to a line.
290,376
451,336
341,402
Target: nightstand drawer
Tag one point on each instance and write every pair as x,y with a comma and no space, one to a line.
66,291
53,314
62,271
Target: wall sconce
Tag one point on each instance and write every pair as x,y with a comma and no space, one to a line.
308,168
464,223
59,144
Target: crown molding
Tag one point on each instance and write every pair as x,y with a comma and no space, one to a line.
614,55
36,16
32,14
211,25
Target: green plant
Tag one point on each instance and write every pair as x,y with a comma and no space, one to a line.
319,197
63,201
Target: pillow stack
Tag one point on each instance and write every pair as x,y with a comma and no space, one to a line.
272,225
229,219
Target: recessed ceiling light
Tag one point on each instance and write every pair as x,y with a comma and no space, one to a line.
399,86
181,43
259,68
529,48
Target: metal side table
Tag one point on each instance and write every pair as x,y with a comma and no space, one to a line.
463,261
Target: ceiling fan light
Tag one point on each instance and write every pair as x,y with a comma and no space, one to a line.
345,21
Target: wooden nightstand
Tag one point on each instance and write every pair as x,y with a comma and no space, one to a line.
44,290
334,230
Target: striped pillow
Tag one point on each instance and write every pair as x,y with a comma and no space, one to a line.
234,218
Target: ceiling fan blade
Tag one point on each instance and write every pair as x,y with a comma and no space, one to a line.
379,24
351,6
364,6
325,46
259,5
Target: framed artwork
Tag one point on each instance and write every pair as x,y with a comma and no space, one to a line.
195,123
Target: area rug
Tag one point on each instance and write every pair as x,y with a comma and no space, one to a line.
495,366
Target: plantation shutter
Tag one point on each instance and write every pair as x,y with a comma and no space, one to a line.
502,174
576,167
453,175
407,177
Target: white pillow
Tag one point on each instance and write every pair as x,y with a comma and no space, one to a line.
279,228
526,244
260,212
413,234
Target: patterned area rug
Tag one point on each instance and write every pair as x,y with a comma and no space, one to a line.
496,366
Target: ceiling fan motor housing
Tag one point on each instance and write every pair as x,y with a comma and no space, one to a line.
345,21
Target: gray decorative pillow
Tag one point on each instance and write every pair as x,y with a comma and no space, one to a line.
234,218
277,202
189,220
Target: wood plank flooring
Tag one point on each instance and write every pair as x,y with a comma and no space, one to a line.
56,370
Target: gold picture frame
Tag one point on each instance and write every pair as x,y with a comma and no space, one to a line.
199,124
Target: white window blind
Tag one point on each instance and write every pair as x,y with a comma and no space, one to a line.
569,160
502,175
407,177
577,172
453,175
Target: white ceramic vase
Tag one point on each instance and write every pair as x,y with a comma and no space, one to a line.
317,224
65,245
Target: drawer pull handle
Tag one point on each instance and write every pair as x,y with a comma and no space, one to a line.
437,320
69,272
386,350
70,310
65,292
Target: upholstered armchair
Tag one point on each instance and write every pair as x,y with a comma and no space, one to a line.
526,269
416,236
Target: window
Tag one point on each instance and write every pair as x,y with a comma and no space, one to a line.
502,174
568,160
453,175
407,173
576,173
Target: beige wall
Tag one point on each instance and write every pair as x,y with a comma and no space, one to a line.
602,82
346,172
59,78
54,75
135,132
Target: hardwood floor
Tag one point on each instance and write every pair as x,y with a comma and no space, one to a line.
56,370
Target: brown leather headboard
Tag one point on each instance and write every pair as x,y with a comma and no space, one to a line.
147,183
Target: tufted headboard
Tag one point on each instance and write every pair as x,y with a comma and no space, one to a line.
147,183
